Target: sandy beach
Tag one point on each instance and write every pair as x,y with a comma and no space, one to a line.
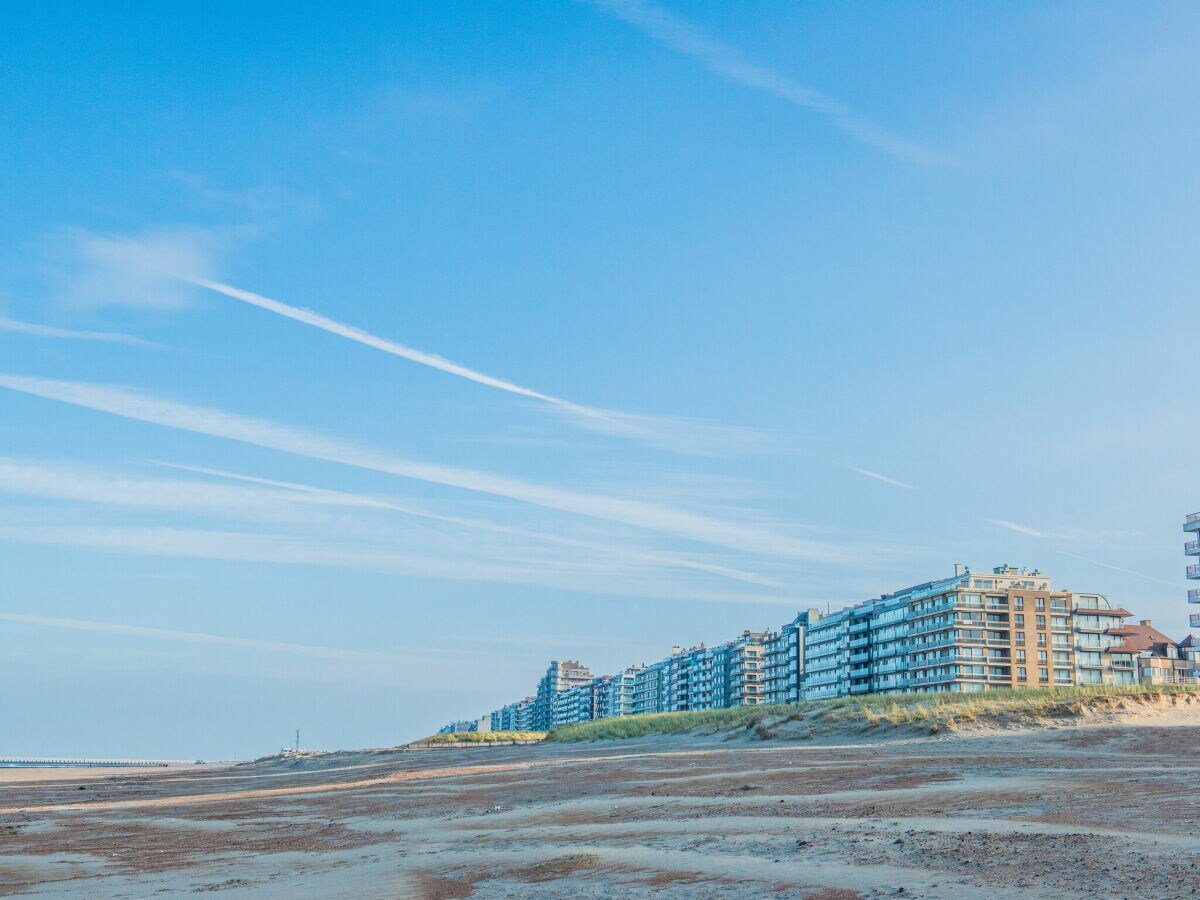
1106,809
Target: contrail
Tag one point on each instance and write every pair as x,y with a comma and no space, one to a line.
347,499
684,37
671,433
350,332
49,331
195,637
885,479
263,433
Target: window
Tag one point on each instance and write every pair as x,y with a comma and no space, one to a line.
1018,602
1020,638
1022,673
1058,622
1041,623
1039,602
1042,657
1019,620
1020,656
1043,675
1058,603
1041,639
1062,656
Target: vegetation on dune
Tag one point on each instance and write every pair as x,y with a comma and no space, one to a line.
930,712
480,737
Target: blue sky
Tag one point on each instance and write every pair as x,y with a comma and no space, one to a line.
353,365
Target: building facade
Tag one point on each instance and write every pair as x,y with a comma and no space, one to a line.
827,657
968,632
783,659
561,676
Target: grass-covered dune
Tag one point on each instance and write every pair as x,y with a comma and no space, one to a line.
479,737
930,713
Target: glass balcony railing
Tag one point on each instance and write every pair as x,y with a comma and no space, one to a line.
1194,595
1194,620
1193,572
1194,517
1192,548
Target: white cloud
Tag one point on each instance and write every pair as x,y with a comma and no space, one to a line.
885,479
49,331
432,556
163,634
1020,529
684,37
142,271
678,523
277,501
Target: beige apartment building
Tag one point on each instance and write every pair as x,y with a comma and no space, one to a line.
1005,629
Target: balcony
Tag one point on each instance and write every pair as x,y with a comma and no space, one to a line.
1192,522
1193,572
1194,595
1192,548
1194,620
863,641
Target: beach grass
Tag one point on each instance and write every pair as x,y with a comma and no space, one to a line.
931,712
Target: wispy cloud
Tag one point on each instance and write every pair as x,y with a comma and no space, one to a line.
448,557
273,500
885,479
1067,535
672,433
1107,537
693,526
141,271
1018,528
194,637
1096,562
684,37
49,331
260,199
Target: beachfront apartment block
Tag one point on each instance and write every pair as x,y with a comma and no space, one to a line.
827,656
966,632
783,659
560,676
1191,547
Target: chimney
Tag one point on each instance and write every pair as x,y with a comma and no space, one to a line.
958,568
1147,623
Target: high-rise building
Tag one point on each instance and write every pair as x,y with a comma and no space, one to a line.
1099,648
746,675
559,677
783,659
827,656
1191,645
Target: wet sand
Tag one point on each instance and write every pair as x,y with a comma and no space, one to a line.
1110,810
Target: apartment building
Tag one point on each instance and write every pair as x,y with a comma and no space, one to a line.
514,716
747,679
651,684
889,635
1009,628
561,676
1191,526
966,632
575,704
615,693
1097,626
827,657
783,659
